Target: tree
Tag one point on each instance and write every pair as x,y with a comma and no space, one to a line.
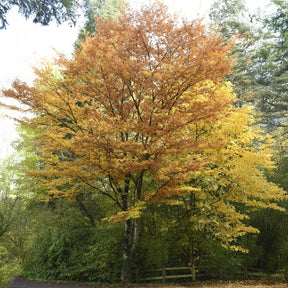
260,72
234,182
220,197
231,17
55,239
9,196
121,117
98,8
42,12
271,68
266,74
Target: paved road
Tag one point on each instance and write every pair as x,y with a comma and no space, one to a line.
20,282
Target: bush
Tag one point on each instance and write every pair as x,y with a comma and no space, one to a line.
76,254
8,268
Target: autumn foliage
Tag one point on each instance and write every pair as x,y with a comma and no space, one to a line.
142,113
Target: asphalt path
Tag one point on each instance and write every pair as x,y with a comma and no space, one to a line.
20,282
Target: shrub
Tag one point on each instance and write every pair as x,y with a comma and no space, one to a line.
8,268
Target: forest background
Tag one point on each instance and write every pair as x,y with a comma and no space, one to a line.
105,181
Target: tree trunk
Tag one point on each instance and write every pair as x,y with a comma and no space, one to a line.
129,247
126,261
191,260
130,237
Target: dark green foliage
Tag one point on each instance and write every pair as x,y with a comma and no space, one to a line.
272,239
280,173
273,236
43,12
103,256
66,246
153,248
169,239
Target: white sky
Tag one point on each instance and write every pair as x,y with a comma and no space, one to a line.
24,44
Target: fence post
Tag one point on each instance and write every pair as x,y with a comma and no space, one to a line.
245,272
193,272
137,275
163,275
220,272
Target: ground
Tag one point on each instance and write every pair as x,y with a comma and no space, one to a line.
24,283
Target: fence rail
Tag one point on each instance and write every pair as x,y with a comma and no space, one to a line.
223,272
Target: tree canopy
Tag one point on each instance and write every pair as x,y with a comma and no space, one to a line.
143,114
42,12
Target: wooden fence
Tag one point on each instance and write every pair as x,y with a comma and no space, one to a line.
222,272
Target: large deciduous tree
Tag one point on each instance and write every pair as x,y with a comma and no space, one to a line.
125,115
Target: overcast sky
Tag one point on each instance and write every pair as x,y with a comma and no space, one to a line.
24,44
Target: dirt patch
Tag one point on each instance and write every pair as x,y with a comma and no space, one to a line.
242,284
20,282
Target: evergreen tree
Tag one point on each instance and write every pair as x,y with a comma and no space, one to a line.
43,11
261,77
233,20
271,68
93,9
